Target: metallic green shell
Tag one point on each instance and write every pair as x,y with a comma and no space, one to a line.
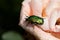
35,19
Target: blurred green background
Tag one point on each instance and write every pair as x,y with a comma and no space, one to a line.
9,19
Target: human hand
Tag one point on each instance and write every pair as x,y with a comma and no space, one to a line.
33,29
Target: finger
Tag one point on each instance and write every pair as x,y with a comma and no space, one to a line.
37,7
54,17
38,30
24,12
40,33
43,35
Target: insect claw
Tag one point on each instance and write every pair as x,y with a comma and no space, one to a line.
26,15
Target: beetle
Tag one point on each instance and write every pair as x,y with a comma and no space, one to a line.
35,20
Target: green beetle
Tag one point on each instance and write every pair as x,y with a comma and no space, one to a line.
35,20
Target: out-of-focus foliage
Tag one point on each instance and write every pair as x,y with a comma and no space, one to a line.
11,35
9,16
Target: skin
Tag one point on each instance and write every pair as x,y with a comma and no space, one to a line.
45,10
